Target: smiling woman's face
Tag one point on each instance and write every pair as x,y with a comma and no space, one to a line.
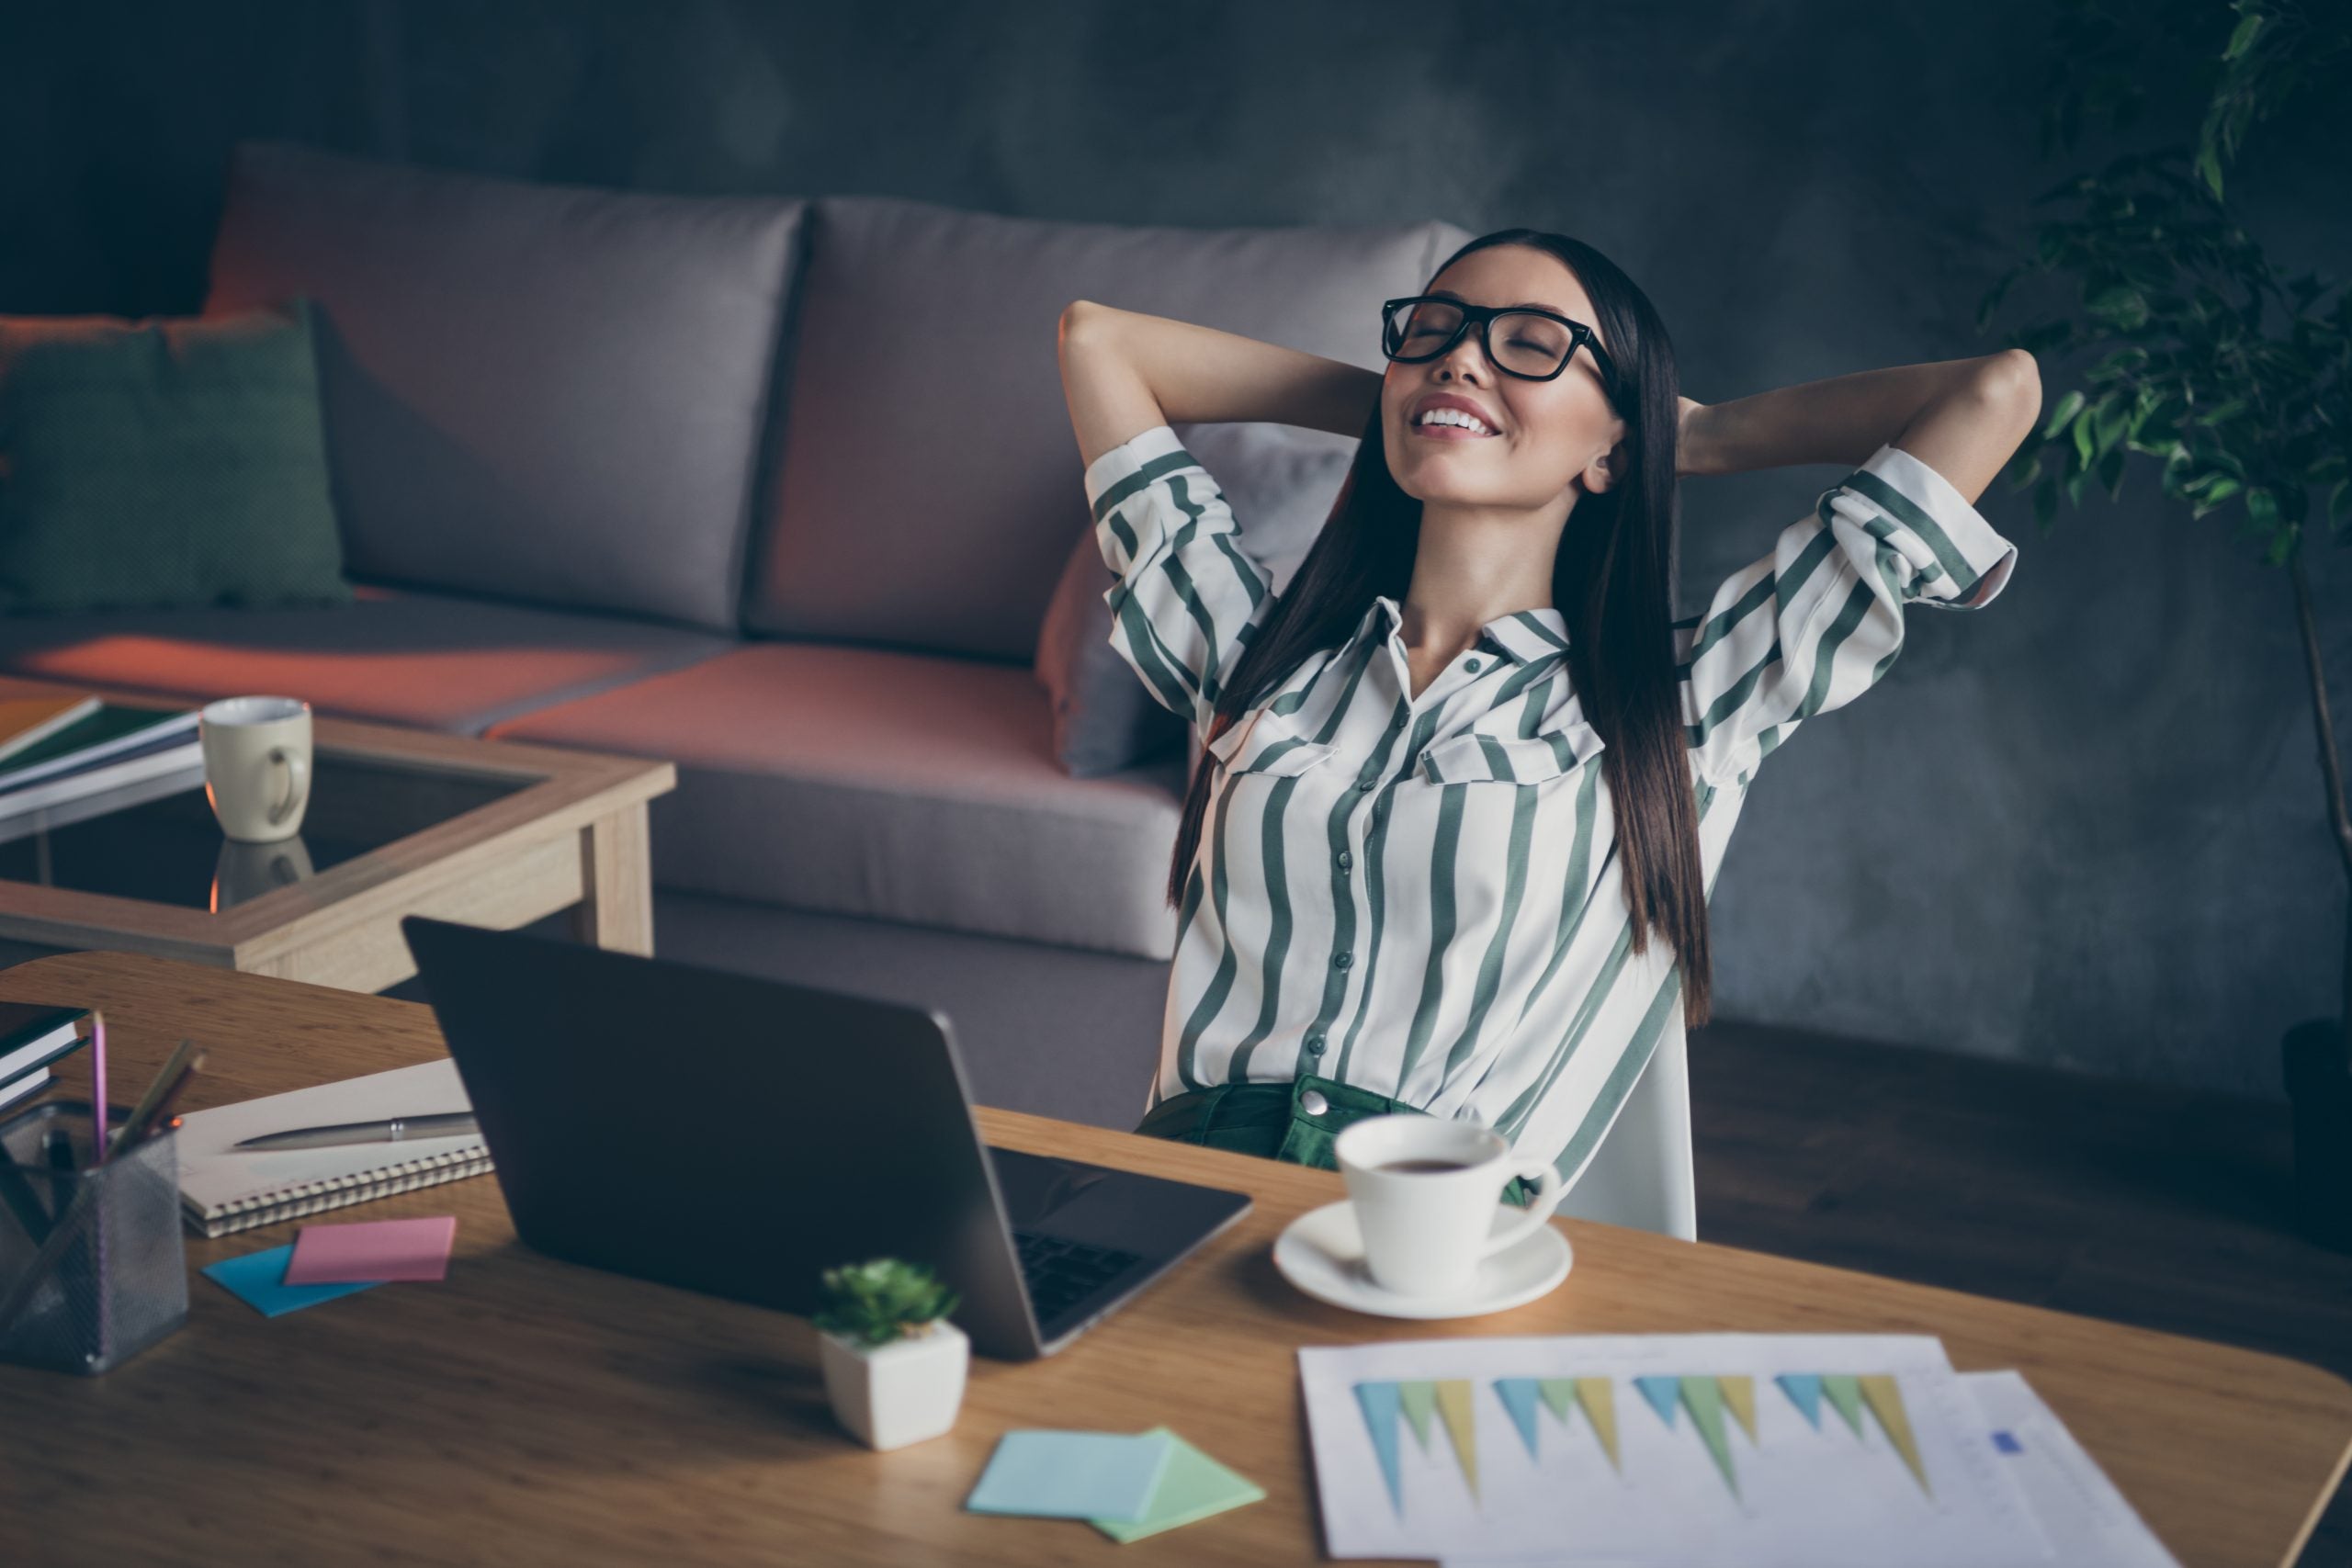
1547,434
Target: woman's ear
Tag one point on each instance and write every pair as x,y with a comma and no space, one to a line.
1604,471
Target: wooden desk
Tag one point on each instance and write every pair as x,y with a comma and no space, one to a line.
530,1411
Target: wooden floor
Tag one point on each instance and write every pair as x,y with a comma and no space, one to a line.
2158,1207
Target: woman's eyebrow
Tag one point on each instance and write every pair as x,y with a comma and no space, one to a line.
1522,305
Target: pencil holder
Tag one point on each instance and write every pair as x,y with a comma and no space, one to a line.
93,1269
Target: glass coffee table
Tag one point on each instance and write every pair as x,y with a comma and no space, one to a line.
401,822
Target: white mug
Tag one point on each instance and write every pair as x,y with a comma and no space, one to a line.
1425,1191
257,765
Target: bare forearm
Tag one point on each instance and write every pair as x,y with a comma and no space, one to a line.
1124,371
1841,419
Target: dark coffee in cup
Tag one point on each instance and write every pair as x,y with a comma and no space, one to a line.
1424,1166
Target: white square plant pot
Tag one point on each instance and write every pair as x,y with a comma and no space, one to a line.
900,1392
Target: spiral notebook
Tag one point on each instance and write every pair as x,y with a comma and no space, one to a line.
222,1191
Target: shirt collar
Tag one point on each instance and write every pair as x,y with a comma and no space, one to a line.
1529,635
1524,636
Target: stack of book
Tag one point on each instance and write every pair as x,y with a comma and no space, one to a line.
30,1039
56,752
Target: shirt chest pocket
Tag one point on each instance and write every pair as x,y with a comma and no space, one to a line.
1525,759
1269,744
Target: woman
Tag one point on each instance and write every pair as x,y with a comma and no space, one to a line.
1467,783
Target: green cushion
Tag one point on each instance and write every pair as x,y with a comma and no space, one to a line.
164,463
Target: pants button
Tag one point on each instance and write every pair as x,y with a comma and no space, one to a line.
1313,1102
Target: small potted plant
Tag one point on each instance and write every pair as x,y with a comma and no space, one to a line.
893,1365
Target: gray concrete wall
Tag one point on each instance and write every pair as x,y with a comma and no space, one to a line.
2082,827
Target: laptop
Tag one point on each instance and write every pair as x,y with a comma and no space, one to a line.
738,1135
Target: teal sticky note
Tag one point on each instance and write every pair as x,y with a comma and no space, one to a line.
1071,1476
1191,1489
259,1279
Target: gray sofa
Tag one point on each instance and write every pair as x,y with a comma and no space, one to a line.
780,491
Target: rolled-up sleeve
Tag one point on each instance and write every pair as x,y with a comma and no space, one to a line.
1818,621
1189,596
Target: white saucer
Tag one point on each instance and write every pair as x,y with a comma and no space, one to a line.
1321,1252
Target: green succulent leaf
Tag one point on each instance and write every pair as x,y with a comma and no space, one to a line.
882,1299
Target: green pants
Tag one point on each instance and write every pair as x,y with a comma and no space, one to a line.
1294,1122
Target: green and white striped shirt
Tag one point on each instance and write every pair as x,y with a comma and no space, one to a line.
1421,896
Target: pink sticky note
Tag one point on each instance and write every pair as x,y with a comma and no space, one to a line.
374,1249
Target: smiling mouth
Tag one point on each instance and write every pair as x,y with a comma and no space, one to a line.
1452,426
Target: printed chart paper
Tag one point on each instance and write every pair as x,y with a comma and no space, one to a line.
2086,1518
1755,1451
2088,1522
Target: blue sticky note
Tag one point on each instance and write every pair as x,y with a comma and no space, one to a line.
259,1280
1072,1475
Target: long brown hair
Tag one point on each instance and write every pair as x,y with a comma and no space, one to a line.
1613,580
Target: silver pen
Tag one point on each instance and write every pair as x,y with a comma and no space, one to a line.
398,1129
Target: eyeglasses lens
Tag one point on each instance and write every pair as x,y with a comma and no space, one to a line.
1420,330
1529,344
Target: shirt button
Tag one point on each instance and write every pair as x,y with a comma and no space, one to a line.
1345,860
1314,1044
1471,665
1313,1102
1344,960
1368,783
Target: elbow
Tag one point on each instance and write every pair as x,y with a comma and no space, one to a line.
1081,317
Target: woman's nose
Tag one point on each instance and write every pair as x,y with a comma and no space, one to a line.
1468,353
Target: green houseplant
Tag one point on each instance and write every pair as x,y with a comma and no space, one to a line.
2229,377
894,1365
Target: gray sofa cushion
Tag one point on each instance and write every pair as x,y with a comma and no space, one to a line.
533,391
456,665
1280,483
928,486
898,785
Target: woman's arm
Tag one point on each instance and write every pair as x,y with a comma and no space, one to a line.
1124,372
1964,418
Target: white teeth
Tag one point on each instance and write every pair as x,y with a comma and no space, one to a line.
1453,416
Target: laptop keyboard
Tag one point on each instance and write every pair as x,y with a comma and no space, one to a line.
1061,1272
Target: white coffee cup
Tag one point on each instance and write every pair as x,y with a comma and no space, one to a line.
1425,1191
257,765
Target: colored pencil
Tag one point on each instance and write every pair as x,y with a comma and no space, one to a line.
166,1078
99,1121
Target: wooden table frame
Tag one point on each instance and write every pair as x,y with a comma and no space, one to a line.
573,835
527,1410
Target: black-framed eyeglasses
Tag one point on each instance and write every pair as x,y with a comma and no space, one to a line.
1534,346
